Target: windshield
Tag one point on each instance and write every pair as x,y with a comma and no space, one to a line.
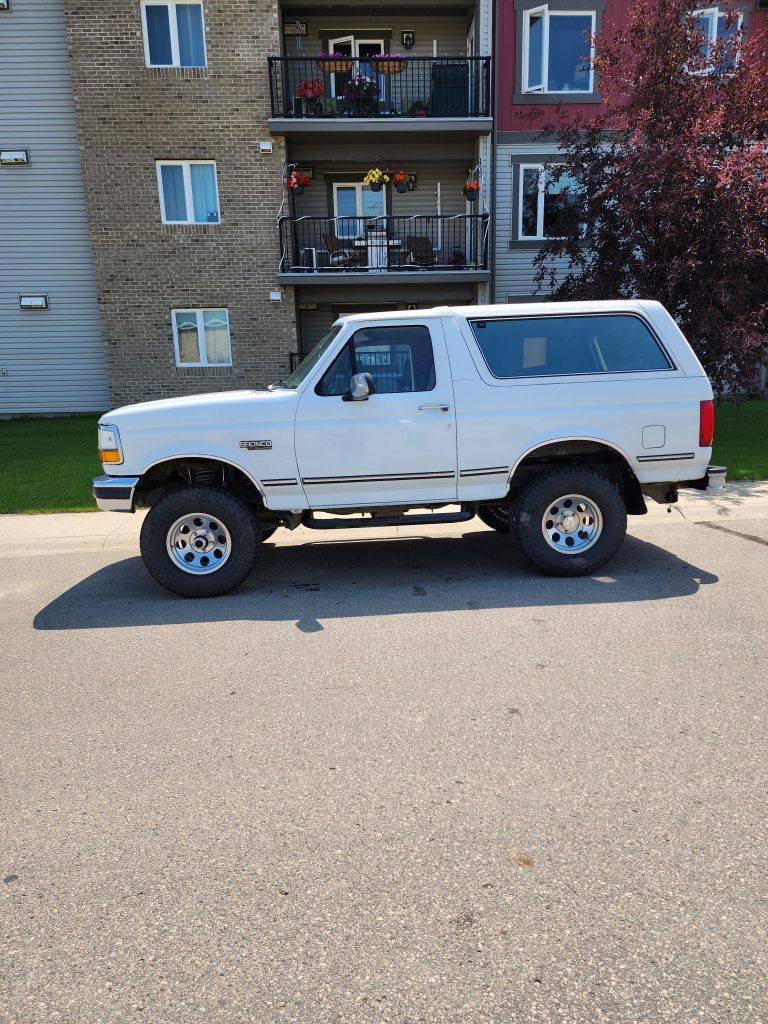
309,362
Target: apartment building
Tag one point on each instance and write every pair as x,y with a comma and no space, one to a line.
399,88
224,154
183,181
540,64
51,353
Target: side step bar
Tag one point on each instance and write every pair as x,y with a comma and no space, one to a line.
432,519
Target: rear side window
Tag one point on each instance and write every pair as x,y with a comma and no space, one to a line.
564,345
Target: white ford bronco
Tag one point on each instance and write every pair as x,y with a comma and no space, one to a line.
549,421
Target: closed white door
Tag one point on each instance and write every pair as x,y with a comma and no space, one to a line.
397,446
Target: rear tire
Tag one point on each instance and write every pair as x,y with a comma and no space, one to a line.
200,541
495,516
569,522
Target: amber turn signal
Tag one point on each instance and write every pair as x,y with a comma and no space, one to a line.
110,455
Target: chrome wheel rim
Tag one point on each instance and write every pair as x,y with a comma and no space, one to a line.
572,524
198,543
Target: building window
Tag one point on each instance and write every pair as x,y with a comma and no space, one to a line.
557,50
714,27
201,337
546,196
174,36
189,192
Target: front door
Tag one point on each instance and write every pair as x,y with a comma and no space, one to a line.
396,447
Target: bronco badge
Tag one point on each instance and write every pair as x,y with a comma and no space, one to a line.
254,446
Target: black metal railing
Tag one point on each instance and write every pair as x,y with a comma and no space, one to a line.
320,245
304,87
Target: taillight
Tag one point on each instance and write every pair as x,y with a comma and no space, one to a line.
706,423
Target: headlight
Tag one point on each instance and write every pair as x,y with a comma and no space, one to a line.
109,444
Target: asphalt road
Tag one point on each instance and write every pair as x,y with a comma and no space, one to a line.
404,780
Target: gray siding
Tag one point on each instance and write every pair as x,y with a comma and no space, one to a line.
53,361
316,200
449,32
514,269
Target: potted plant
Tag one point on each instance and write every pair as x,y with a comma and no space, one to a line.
419,108
403,182
471,190
375,179
309,92
362,91
296,182
334,62
387,63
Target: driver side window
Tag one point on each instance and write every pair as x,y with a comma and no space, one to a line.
399,359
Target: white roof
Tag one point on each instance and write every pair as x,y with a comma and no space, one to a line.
502,309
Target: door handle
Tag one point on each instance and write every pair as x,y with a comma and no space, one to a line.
435,405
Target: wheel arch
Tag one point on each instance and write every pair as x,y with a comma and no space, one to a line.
167,474
591,452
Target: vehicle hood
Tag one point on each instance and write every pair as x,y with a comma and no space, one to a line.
206,411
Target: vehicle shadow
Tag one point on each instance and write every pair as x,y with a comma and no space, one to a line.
332,579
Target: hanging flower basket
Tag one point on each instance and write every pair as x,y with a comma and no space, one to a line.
375,179
334,63
296,183
403,182
388,63
471,190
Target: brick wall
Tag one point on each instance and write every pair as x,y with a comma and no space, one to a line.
129,116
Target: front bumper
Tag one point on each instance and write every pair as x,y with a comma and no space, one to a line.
115,493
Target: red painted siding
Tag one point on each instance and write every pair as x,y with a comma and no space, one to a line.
512,116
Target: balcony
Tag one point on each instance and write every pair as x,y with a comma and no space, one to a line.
418,94
364,250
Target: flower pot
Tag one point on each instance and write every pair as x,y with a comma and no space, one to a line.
335,66
376,186
388,67
401,186
470,194
420,113
298,190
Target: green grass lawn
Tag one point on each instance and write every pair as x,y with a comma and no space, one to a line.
46,465
741,440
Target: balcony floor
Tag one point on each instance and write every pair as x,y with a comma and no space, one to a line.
382,277
311,127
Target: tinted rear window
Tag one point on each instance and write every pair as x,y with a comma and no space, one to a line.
560,345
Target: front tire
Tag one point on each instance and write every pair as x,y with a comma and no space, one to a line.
199,541
569,522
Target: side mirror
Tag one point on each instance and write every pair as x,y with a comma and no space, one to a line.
360,387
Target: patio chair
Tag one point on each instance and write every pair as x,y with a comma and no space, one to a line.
338,256
420,251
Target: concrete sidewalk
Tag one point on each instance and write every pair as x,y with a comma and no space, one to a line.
93,531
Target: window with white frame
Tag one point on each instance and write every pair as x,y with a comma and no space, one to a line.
355,206
546,196
174,34
201,337
189,192
558,51
715,28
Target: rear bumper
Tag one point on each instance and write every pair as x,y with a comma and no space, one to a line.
713,481
115,493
